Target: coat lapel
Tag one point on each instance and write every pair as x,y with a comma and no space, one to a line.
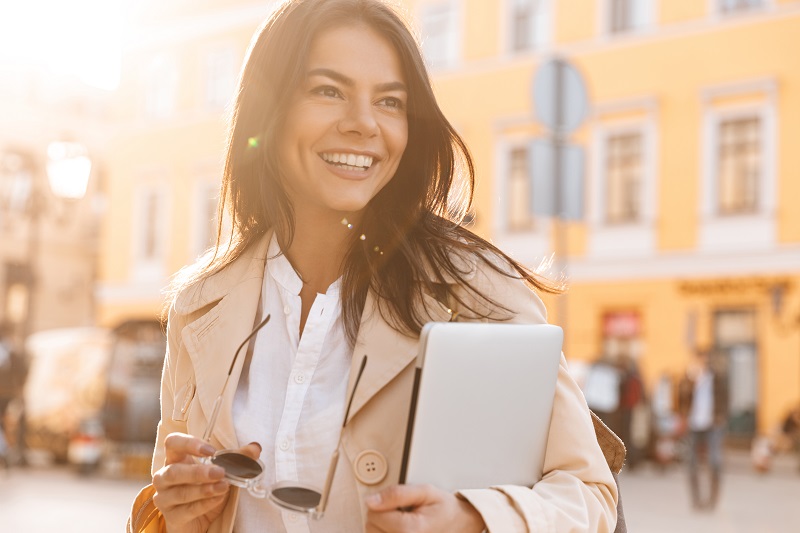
388,351
211,340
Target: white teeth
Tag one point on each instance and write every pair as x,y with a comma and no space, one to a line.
351,161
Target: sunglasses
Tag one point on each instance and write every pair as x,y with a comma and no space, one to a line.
247,473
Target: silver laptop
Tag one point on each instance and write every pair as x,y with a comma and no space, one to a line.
481,406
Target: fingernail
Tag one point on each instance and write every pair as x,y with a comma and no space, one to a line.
207,449
216,472
373,499
257,444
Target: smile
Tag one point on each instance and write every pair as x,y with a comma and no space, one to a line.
348,161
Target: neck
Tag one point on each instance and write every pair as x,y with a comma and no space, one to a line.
318,249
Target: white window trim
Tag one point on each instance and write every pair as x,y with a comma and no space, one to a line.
529,247
717,13
507,35
604,20
200,242
633,239
155,268
731,232
169,75
454,46
229,49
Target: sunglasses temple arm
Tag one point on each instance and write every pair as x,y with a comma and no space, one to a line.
213,420
323,501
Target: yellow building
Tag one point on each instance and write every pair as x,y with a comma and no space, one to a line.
690,236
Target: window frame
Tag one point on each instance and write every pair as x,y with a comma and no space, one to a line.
756,230
606,23
211,101
539,44
715,7
153,267
527,246
636,238
161,85
451,55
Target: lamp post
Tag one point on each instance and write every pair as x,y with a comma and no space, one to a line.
26,195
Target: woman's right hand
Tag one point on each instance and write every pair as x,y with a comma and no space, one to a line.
191,495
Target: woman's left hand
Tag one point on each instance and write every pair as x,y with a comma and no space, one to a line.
421,509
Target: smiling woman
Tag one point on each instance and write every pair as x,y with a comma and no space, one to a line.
78,37
341,180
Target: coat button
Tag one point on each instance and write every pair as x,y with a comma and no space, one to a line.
370,467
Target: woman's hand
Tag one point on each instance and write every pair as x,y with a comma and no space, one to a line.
421,509
191,495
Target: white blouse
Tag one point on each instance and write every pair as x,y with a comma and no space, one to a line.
290,399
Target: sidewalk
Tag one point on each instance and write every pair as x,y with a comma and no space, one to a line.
657,501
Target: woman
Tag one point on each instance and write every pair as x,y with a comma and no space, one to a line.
341,181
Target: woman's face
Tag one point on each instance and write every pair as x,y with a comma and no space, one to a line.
346,126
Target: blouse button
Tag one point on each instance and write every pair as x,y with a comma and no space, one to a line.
299,378
287,310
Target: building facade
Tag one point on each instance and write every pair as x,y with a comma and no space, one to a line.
51,200
689,237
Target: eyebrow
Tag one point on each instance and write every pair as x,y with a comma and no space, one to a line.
344,80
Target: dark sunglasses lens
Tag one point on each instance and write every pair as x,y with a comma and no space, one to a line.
297,497
237,464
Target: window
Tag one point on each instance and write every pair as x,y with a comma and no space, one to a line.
738,189
220,77
530,24
628,15
624,177
735,6
439,34
149,249
149,245
206,220
739,165
16,182
520,212
161,84
623,206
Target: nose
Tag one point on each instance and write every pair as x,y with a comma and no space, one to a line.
359,119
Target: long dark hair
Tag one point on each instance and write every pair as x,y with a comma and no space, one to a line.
416,243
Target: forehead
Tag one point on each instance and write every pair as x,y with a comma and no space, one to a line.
358,52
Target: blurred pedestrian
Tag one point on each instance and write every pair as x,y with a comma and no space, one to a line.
703,406
603,392
666,422
634,410
790,433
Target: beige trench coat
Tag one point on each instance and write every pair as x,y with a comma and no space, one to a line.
209,320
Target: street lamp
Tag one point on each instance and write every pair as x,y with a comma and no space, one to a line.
26,195
23,193
68,169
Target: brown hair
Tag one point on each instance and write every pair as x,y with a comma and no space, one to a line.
414,220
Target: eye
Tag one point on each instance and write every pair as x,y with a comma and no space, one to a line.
392,102
327,91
